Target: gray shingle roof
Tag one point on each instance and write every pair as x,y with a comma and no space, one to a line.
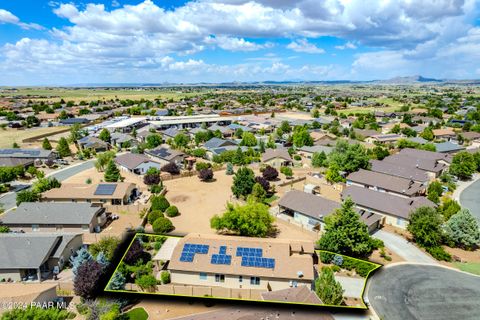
164,153
281,153
384,181
308,204
132,160
217,143
51,213
429,165
399,171
384,202
448,147
25,153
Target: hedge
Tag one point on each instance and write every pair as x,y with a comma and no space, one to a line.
172,211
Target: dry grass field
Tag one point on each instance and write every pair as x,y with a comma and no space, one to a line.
9,136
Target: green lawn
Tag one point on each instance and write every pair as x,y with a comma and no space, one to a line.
137,314
471,267
271,199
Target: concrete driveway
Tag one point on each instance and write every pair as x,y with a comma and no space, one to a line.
352,286
9,199
403,248
409,291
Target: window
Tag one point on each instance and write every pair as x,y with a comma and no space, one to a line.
35,227
203,276
219,278
85,227
255,280
240,278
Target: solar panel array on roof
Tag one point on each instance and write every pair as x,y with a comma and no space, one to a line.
24,151
190,250
255,252
221,259
162,152
259,262
252,257
105,189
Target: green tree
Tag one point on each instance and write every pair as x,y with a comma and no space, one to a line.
427,134
75,133
285,127
153,140
45,184
159,203
112,174
62,148
463,165
103,159
248,139
104,135
181,140
146,282
258,193
349,157
332,174
448,208
251,220
462,228
117,282
32,312
162,225
345,233
27,196
108,245
328,289
243,182
319,159
301,137
46,144
426,227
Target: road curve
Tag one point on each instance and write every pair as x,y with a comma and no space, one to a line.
426,292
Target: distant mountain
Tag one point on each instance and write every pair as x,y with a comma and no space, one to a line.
409,79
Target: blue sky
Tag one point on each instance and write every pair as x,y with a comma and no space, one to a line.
61,43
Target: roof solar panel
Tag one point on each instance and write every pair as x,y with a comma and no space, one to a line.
105,189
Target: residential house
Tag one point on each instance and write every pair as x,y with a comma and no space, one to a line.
277,157
307,151
444,134
384,138
241,263
307,209
395,169
448,147
394,210
323,138
382,182
37,155
165,155
55,217
120,140
136,163
300,294
93,143
34,257
433,168
112,193
14,162
72,121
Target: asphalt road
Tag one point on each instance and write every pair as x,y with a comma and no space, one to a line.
424,292
9,199
469,199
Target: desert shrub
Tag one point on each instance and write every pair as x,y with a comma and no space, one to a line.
172,211
154,215
162,225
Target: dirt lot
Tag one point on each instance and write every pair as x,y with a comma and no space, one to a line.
198,202
9,136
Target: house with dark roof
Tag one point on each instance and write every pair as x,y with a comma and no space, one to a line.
93,143
300,294
433,168
448,147
120,139
136,163
394,210
14,162
277,157
165,155
308,151
306,209
383,182
72,121
54,217
35,257
33,154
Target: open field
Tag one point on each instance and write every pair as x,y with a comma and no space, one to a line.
9,136
77,95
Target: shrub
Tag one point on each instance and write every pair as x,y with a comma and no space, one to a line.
162,225
159,203
229,170
156,188
337,260
205,174
147,281
287,171
297,157
439,253
165,277
171,168
136,253
263,182
270,173
326,257
202,165
172,211
154,215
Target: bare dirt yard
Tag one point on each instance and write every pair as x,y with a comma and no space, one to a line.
9,136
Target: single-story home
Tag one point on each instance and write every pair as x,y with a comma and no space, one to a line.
165,155
398,170
241,263
394,210
448,147
34,257
34,154
55,217
94,143
136,163
115,193
308,151
445,134
383,182
277,157
384,138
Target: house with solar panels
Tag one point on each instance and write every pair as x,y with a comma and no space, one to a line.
114,193
36,155
240,263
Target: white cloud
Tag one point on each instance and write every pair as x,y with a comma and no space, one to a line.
8,17
302,45
236,44
348,45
